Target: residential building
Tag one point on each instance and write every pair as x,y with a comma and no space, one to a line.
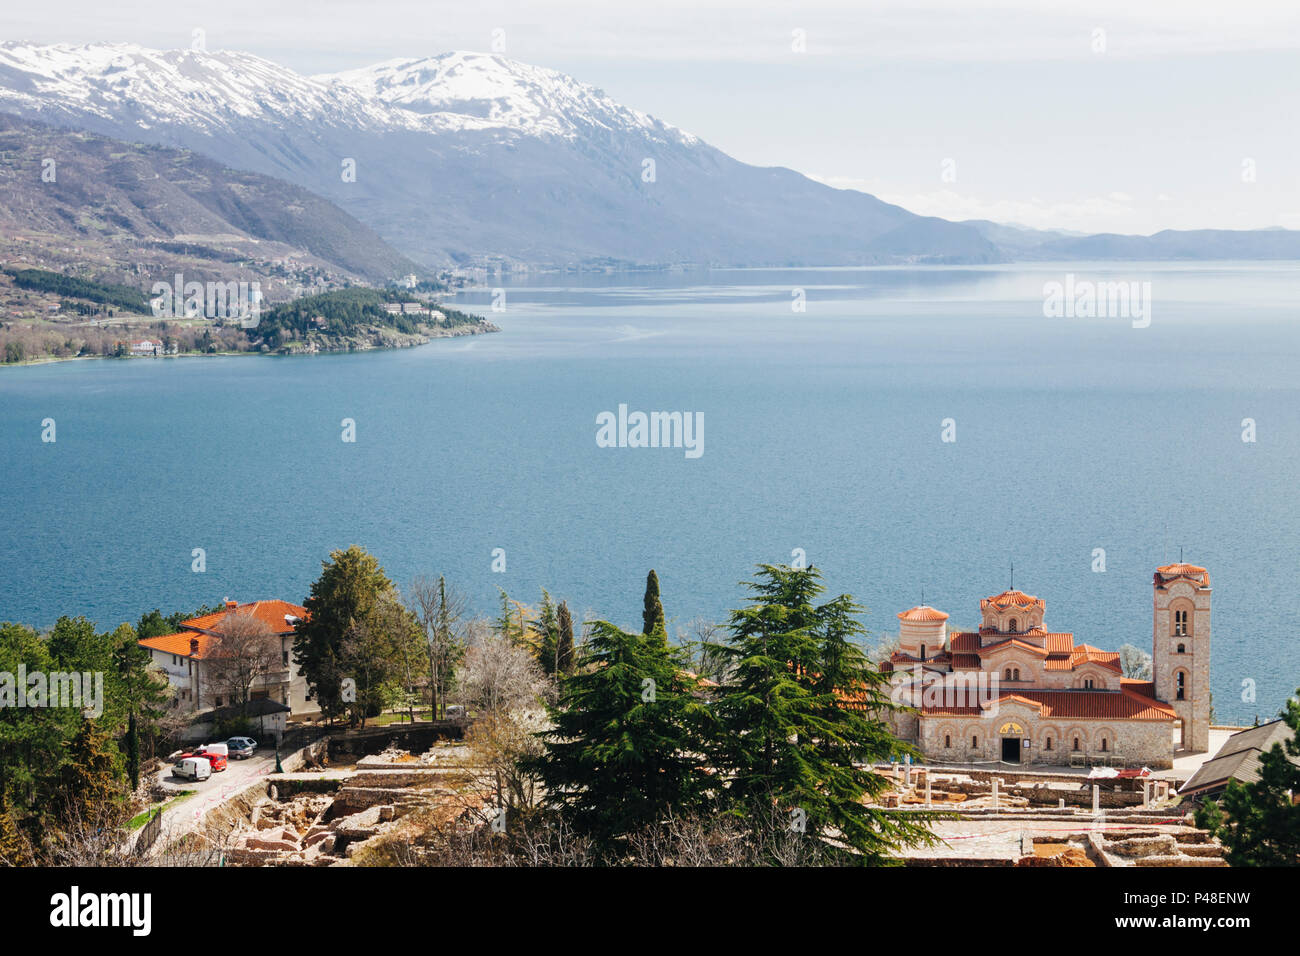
190,658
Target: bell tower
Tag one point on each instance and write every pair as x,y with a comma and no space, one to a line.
1180,648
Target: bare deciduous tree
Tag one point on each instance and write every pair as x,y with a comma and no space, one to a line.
441,611
246,653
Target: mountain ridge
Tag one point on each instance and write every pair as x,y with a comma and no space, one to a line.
473,159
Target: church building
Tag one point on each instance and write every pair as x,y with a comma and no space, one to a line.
1015,692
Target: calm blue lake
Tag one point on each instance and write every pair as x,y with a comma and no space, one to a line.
822,432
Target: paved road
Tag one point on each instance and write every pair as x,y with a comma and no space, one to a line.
220,787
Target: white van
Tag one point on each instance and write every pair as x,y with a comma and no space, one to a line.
223,749
192,768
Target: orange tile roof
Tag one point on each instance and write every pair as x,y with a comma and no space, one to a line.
1012,642
1058,642
1127,703
964,641
922,612
1087,654
1193,572
178,644
1012,599
202,629
270,613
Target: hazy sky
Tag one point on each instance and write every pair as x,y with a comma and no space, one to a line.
1160,120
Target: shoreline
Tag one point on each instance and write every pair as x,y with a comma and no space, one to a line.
483,327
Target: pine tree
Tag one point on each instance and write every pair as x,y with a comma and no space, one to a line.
798,722
652,617
565,650
623,752
1259,822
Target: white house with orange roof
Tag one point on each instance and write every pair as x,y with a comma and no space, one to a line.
187,658
1016,692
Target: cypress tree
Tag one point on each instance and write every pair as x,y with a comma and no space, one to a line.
547,635
133,752
652,617
566,649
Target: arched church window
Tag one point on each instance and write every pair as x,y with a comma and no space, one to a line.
1048,744
1076,743
1180,683
1180,622
947,741
1182,648
1007,675
1013,625
1105,744
1015,674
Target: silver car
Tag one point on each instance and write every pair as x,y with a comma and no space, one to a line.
241,748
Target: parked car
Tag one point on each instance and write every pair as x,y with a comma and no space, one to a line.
217,749
215,760
190,767
241,748
455,711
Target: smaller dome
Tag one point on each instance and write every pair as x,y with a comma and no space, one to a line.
922,612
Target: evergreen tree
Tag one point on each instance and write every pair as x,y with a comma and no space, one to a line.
90,781
133,753
1259,822
565,650
511,623
329,639
546,635
798,722
652,617
623,752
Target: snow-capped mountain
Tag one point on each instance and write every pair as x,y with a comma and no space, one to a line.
467,156
501,92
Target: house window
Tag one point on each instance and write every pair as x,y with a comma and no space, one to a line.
1180,623
285,656
176,661
1180,692
218,701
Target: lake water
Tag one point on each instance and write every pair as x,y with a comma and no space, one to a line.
822,432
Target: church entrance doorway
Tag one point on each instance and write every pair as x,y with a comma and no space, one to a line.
1011,733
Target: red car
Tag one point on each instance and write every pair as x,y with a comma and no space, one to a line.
217,760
